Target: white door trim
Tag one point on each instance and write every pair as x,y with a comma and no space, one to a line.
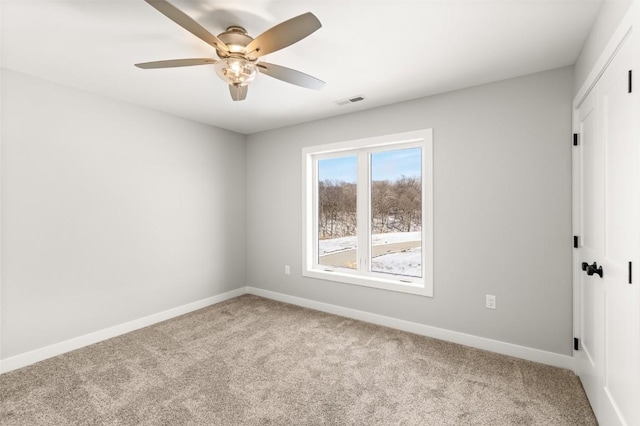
0,209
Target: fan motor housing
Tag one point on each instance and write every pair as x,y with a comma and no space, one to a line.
236,38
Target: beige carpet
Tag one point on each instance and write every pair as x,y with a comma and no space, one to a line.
253,361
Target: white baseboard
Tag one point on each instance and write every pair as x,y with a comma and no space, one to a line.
523,352
517,351
36,355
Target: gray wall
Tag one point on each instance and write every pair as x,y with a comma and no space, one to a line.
610,15
110,212
502,181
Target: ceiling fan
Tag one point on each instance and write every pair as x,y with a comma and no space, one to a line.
238,53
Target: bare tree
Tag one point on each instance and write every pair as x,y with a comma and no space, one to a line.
336,209
396,206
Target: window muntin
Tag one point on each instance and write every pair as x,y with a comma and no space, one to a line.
405,160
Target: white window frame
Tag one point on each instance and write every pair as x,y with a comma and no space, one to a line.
310,268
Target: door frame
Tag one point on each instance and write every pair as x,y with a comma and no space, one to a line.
1,370
631,19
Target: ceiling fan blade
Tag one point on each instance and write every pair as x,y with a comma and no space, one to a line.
186,22
283,35
290,76
172,63
238,93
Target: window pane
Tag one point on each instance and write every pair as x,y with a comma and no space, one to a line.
396,212
337,240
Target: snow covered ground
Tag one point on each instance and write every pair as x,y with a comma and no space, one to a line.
349,243
403,263
406,262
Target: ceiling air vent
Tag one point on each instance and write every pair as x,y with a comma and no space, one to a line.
350,100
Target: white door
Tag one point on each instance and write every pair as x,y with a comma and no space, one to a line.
608,163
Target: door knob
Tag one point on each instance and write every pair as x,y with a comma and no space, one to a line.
594,269
584,266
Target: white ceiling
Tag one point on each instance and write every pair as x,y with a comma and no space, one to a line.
385,50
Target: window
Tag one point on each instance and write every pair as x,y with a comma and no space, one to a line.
368,212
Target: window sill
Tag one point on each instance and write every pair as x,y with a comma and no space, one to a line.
416,288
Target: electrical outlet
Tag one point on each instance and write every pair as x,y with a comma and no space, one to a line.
490,301
287,270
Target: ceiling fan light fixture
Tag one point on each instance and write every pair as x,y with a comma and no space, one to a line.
236,71
239,52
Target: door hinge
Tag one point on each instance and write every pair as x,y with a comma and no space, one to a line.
576,344
575,139
630,273
630,81
575,241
